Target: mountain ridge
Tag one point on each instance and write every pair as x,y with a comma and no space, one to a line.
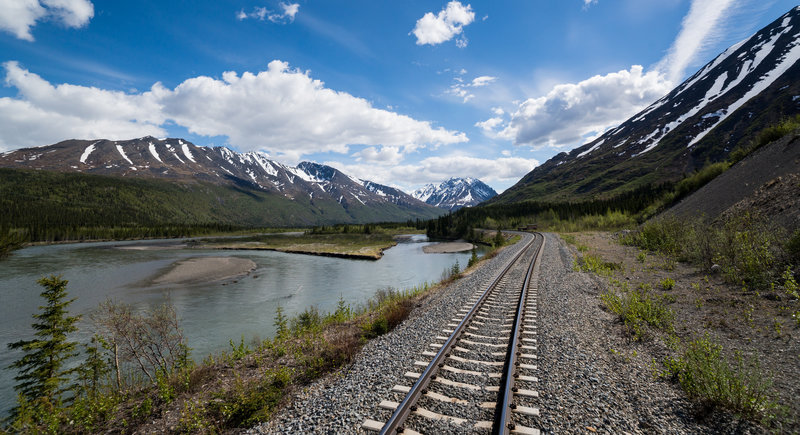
719,108
326,192
455,193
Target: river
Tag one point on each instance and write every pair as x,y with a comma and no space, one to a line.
211,313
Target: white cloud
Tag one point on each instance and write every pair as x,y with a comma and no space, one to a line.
449,22
285,15
482,81
280,110
460,89
44,113
438,168
570,112
19,16
384,156
700,30
490,125
587,3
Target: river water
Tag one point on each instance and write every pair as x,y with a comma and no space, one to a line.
211,313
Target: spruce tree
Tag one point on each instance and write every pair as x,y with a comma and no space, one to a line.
42,376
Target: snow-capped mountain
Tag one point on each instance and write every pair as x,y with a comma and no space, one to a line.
177,159
750,85
455,193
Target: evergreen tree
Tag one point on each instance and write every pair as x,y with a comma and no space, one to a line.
498,239
41,369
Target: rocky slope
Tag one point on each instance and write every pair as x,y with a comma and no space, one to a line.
455,193
721,107
764,184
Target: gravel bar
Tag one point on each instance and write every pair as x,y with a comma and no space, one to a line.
585,384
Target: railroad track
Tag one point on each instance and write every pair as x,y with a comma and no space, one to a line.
480,374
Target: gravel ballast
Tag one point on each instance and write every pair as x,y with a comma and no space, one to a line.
588,381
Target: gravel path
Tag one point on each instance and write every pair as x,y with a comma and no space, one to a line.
589,379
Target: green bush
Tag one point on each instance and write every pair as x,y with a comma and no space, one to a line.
708,378
249,403
793,247
638,309
667,283
596,264
747,250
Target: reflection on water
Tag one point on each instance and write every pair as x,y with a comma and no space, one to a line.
211,313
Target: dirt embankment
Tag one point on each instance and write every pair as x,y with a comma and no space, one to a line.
766,183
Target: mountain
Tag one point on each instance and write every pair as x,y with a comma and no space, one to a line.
318,194
749,86
455,193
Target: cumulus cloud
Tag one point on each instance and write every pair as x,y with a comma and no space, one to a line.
438,168
461,89
570,112
700,30
286,13
19,16
44,113
281,110
382,156
444,26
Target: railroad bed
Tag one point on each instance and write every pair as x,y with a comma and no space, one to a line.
479,373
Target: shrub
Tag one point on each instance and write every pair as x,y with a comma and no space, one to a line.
667,283
707,377
594,263
638,309
793,247
250,403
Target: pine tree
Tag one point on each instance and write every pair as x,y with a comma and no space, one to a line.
42,376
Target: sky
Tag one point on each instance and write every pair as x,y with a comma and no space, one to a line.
401,92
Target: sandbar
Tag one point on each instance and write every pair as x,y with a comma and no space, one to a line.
447,248
206,269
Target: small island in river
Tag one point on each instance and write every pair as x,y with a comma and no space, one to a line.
355,246
205,269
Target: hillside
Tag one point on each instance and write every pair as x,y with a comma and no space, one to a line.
765,184
720,108
151,182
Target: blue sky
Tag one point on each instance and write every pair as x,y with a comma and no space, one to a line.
399,92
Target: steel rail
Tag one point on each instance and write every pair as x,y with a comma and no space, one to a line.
408,405
505,406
